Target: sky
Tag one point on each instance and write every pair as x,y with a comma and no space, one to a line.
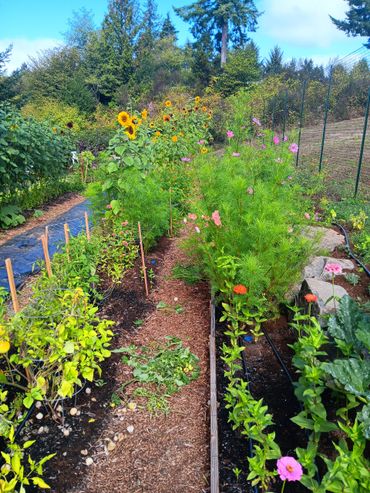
302,28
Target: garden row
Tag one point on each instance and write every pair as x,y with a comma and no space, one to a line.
58,341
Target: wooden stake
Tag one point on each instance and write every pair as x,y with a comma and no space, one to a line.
47,233
171,220
66,235
143,259
87,227
45,247
13,291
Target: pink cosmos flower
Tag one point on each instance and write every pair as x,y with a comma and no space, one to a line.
197,230
276,140
230,134
201,142
185,159
263,146
289,469
333,268
250,190
293,148
216,218
306,215
256,122
192,216
236,154
285,138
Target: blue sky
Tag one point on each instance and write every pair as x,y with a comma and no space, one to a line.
302,28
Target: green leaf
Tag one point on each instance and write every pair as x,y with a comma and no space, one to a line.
69,347
40,483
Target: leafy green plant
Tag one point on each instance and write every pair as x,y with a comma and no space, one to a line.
160,370
190,274
10,216
352,278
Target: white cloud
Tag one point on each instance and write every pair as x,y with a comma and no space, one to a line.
304,23
23,48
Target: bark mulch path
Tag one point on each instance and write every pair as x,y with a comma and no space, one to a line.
50,212
164,453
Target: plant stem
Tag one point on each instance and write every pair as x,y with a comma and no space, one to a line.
283,487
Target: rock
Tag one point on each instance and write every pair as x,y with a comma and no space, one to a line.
317,266
327,239
88,390
323,290
73,411
39,416
38,404
59,408
66,432
84,452
89,461
111,446
40,430
130,429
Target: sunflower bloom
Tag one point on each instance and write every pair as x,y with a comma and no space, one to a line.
151,125
131,131
197,99
144,114
174,138
124,118
4,347
168,103
203,150
204,109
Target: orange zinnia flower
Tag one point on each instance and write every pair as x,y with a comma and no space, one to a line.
166,118
240,289
310,298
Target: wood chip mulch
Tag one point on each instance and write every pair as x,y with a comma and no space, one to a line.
163,454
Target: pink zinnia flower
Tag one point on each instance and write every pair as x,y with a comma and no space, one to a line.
216,218
276,140
333,268
289,469
230,134
185,159
306,215
293,148
197,229
192,216
201,142
236,154
256,121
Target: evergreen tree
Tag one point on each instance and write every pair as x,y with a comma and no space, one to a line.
81,25
357,22
168,29
4,57
274,64
225,21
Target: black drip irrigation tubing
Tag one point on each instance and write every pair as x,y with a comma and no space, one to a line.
349,250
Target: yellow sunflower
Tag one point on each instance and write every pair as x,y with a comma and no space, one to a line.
124,119
203,150
168,103
174,138
4,347
151,125
204,109
144,114
131,131
197,99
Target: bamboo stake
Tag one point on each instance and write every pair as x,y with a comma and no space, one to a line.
66,235
47,233
87,227
13,291
45,247
143,259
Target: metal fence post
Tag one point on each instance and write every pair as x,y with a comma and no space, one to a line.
301,116
362,144
285,111
273,118
327,104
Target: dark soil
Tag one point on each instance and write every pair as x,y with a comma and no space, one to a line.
126,304
267,381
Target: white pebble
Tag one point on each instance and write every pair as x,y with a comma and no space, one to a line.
111,446
73,411
84,452
40,430
38,404
175,298
89,461
39,416
88,390
130,429
66,432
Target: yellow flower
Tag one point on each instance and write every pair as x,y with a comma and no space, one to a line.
4,347
135,120
124,119
181,134
144,114
203,150
174,138
168,103
157,133
197,99
131,132
54,130
151,124
204,109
